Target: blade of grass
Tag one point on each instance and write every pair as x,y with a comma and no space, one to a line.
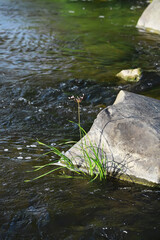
53,170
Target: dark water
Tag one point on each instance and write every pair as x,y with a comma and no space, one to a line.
49,50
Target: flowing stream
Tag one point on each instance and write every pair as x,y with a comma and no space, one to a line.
50,50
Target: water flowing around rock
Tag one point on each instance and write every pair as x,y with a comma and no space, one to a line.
128,132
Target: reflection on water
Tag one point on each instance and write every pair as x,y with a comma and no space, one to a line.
50,50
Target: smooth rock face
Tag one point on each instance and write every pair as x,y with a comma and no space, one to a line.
150,19
128,134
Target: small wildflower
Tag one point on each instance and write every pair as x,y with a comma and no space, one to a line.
76,99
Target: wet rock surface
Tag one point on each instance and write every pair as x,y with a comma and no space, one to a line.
128,132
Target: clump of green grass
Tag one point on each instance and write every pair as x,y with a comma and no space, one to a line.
68,163
95,165
95,159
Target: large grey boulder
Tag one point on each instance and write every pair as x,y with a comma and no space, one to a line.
150,19
127,134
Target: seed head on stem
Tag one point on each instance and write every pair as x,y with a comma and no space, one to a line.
77,99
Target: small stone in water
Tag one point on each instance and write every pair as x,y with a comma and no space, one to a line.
22,99
131,75
71,11
33,145
20,157
53,144
5,150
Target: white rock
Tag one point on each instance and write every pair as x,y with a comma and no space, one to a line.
131,75
150,19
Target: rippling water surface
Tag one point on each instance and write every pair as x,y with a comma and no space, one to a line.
49,50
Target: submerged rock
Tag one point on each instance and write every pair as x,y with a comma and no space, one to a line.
127,134
131,75
150,19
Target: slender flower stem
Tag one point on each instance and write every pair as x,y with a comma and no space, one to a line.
78,100
79,119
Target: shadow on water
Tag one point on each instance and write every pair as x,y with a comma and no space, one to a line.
50,50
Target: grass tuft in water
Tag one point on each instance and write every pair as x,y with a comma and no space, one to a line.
68,163
95,159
